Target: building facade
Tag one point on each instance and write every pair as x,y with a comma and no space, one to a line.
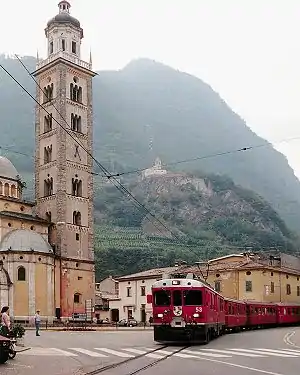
106,290
242,277
133,290
47,248
63,166
27,261
257,277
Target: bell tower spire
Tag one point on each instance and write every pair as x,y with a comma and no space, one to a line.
63,169
64,7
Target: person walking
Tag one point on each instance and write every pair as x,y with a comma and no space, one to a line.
5,321
37,322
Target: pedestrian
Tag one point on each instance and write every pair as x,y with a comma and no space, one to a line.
37,322
5,321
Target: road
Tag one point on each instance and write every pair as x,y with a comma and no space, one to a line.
270,352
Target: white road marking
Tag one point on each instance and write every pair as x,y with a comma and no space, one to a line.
234,352
140,352
214,355
291,350
280,351
165,352
114,352
48,352
240,366
182,355
254,351
88,352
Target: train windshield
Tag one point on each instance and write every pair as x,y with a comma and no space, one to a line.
192,297
162,298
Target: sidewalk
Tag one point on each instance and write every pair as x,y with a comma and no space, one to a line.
91,329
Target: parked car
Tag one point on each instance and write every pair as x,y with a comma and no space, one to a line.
127,323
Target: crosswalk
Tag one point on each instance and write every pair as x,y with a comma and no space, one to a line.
192,352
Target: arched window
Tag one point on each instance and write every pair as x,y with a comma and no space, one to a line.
13,191
48,187
21,274
1,188
76,187
47,154
76,123
76,218
77,298
48,123
48,93
6,190
76,93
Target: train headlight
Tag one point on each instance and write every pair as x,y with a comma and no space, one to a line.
196,315
160,315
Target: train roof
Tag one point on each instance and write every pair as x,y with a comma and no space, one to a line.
183,283
288,304
261,303
234,301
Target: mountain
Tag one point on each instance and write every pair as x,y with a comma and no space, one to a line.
147,103
210,217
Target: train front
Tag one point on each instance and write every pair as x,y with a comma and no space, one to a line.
178,313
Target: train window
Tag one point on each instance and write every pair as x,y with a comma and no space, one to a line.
177,298
162,298
193,297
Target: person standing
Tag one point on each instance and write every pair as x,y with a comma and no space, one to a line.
37,322
5,321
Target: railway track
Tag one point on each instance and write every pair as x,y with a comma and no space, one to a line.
131,360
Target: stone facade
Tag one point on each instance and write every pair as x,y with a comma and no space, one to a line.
27,261
64,182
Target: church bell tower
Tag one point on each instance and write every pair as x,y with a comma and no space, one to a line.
63,168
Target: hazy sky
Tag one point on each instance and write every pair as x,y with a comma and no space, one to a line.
247,50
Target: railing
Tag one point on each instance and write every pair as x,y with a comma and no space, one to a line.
67,56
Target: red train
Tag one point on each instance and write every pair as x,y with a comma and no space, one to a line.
186,309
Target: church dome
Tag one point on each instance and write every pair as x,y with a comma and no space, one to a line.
64,18
7,168
25,240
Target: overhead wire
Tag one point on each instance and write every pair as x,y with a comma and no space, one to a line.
118,184
109,175
209,156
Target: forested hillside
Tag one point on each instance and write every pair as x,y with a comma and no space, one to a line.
148,103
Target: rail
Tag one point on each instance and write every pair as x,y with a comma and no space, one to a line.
64,55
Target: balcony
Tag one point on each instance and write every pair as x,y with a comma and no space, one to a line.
64,55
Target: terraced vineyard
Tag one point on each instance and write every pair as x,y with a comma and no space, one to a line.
120,251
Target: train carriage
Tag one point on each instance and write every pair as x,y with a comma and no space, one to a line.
190,310
261,314
186,310
235,315
288,314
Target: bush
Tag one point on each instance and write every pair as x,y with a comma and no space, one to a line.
18,331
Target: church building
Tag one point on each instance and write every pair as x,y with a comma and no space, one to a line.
47,247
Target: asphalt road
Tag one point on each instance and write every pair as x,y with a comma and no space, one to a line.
270,352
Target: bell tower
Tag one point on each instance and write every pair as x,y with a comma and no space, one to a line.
63,169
